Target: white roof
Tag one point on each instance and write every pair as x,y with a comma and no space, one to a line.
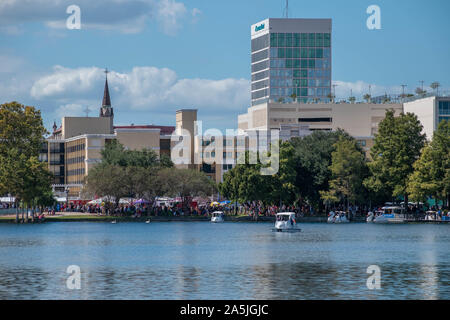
285,213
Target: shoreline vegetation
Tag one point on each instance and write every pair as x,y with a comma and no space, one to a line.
76,217
315,174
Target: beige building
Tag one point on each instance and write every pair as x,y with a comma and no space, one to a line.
360,120
430,111
74,148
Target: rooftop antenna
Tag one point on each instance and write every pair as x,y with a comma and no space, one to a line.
87,110
286,9
403,90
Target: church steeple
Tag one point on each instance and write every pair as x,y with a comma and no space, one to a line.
106,98
106,110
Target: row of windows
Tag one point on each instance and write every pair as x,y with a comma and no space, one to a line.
300,73
300,39
444,107
260,75
75,172
260,66
78,147
259,94
276,93
315,119
260,85
282,82
227,166
260,43
261,55
300,53
225,143
75,160
300,63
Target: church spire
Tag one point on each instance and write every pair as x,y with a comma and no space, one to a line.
106,98
106,110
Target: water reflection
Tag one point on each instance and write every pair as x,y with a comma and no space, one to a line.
230,261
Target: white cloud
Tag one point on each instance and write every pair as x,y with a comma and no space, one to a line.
70,110
126,16
195,14
142,89
169,14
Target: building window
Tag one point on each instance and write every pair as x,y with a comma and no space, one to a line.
444,107
315,119
362,143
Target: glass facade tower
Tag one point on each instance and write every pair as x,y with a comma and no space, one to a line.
291,59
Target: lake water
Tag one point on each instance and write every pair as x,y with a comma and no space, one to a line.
200,260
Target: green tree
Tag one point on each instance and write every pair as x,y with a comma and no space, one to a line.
21,136
186,183
312,157
348,170
440,150
397,146
422,182
21,128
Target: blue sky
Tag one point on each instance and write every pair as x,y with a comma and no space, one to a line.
171,54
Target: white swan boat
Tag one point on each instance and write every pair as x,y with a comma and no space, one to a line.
372,215
285,222
217,216
432,216
337,217
391,214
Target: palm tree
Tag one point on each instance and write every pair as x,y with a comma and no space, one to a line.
367,97
352,99
294,97
435,86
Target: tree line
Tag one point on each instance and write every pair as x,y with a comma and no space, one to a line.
329,168
142,174
22,175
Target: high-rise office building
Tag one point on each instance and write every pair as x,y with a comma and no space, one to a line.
291,59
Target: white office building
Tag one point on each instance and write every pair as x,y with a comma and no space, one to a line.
291,60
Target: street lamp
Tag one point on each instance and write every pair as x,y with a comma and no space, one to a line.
66,189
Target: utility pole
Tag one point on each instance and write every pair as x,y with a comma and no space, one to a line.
334,92
421,81
403,91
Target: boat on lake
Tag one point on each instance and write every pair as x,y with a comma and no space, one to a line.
337,217
391,214
217,216
285,222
